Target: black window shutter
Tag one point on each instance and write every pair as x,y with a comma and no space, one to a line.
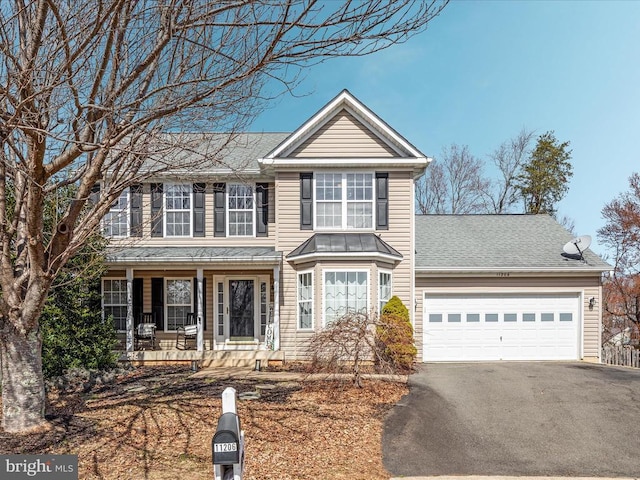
262,209
204,300
137,300
306,201
135,207
198,209
382,201
156,210
157,301
219,220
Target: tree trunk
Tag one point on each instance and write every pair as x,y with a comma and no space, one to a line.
23,395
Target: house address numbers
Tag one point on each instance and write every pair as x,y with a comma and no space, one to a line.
225,447
502,274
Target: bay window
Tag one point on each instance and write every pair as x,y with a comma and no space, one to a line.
384,289
345,292
305,301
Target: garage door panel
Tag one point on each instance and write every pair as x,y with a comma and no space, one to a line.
501,327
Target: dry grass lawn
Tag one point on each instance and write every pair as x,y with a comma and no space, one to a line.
157,423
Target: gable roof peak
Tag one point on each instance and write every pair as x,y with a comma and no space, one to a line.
345,100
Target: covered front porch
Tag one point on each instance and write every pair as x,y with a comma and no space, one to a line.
210,304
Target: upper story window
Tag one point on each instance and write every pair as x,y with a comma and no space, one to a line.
177,199
344,200
116,221
241,210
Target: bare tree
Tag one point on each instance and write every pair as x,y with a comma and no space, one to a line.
345,345
621,235
87,86
431,190
453,185
509,157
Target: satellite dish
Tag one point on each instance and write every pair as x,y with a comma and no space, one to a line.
577,245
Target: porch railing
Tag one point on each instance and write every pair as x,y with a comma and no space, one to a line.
626,356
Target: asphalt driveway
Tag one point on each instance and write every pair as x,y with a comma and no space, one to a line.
517,419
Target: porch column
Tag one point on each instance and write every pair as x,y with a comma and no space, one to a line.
200,310
276,308
129,310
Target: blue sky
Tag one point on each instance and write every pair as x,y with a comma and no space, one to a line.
483,70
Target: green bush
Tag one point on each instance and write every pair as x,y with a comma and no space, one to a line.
395,336
74,334
395,306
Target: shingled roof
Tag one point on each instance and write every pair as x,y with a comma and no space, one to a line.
212,153
476,243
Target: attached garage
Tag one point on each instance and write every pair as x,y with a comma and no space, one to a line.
501,287
501,327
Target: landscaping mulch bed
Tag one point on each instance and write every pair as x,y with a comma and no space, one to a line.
157,423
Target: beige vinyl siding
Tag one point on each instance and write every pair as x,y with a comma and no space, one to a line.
167,339
289,236
587,286
208,240
343,136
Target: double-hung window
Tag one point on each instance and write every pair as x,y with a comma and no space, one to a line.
344,200
345,292
305,300
240,209
116,222
179,298
114,301
384,289
178,210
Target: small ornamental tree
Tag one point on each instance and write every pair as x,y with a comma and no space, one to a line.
395,337
344,346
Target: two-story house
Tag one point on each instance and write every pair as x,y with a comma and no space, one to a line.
283,232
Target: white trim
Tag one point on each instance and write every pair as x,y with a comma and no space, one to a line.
425,272
349,102
102,303
344,201
276,308
165,210
438,331
256,304
166,303
323,299
348,162
312,300
126,211
384,271
339,255
253,209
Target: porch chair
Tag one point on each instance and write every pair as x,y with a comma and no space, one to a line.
187,333
145,331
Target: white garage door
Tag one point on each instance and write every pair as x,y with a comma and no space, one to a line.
501,327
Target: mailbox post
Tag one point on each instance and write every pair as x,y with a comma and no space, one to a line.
227,445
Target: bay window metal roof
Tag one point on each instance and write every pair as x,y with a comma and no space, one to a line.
340,245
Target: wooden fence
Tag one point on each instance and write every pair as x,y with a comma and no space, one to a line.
625,356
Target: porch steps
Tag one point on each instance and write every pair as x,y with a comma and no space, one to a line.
208,358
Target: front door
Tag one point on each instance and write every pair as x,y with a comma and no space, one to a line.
241,304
